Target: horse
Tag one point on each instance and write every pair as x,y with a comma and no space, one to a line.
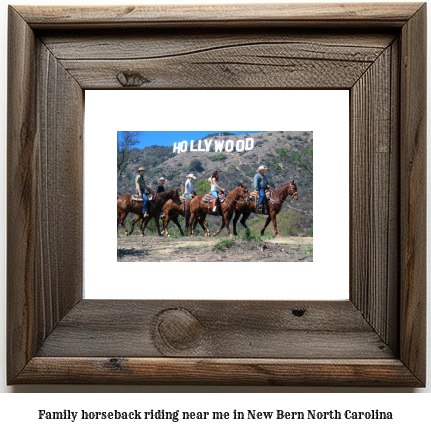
173,210
242,207
246,208
199,207
125,205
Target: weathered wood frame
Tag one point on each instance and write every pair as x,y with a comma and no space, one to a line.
376,338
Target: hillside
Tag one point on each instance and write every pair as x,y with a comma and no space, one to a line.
234,168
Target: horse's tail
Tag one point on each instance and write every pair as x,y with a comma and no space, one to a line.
187,215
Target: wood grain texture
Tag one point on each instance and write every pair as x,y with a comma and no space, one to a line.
45,105
193,59
59,184
377,338
141,44
373,195
21,196
300,14
263,65
197,371
226,329
413,194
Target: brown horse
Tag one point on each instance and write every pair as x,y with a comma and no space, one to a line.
173,210
279,196
125,205
199,207
242,207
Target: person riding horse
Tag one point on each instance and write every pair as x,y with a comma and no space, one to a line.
260,185
188,187
140,190
160,189
215,188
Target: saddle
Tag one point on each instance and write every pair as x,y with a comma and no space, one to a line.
209,198
254,196
135,198
183,199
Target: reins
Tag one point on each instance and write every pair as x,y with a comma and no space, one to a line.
234,200
283,200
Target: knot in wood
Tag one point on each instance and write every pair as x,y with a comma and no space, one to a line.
298,312
178,329
131,79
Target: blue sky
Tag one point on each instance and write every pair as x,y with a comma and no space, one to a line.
149,138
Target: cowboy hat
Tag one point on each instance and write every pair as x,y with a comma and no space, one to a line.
191,176
160,179
261,168
142,169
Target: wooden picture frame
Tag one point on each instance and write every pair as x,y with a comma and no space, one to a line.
376,338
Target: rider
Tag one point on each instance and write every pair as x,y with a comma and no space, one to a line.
214,189
188,187
260,185
140,189
161,188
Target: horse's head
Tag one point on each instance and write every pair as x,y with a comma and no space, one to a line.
293,190
176,196
243,193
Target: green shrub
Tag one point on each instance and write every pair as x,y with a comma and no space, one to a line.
171,175
196,165
202,186
218,157
224,244
247,235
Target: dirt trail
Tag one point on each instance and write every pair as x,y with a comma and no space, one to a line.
213,249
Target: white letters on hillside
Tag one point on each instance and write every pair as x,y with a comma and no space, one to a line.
182,147
218,145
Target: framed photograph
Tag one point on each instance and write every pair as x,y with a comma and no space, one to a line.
58,56
112,260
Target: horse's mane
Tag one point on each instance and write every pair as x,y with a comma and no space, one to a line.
284,186
166,193
244,186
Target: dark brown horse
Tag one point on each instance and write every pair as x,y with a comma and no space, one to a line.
125,205
279,196
173,210
199,207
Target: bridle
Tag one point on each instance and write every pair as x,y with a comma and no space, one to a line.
283,200
236,200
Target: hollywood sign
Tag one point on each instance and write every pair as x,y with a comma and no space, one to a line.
205,145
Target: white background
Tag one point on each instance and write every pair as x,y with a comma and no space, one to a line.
324,112
19,410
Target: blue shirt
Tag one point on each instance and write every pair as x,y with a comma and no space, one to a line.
260,181
189,186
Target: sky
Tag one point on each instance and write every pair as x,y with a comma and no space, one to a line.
168,138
